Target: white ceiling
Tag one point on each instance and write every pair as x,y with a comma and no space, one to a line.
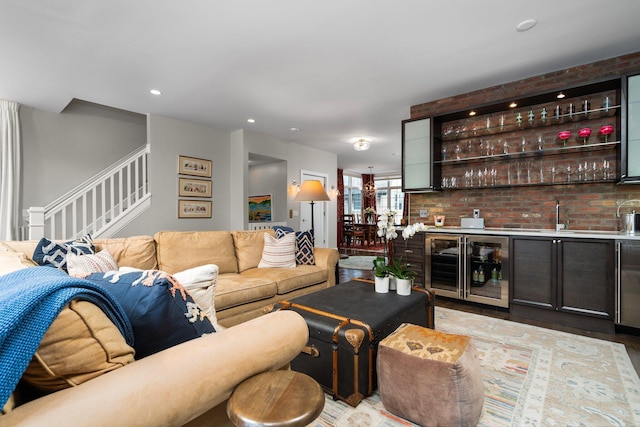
336,69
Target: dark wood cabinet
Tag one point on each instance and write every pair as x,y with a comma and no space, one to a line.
412,251
565,280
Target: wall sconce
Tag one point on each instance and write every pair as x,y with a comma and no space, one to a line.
335,190
294,187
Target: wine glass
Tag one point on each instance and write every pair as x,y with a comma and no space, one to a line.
457,150
444,153
569,173
553,172
524,144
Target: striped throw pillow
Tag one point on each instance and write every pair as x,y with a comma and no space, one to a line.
279,253
83,265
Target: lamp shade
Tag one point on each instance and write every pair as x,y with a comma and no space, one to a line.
311,191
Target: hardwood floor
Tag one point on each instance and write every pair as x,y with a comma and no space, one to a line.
630,341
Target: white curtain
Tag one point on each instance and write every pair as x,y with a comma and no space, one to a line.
9,170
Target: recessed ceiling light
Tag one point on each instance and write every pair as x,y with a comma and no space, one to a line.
155,92
251,120
513,104
525,25
295,129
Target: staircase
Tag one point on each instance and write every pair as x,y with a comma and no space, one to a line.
101,206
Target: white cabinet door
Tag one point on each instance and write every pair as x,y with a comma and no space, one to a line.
417,173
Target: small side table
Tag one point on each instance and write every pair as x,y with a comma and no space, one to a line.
277,398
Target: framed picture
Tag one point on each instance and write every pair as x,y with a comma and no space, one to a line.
191,187
260,208
194,209
193,166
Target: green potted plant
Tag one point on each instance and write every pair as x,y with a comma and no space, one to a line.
381,275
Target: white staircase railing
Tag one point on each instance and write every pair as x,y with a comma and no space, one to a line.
101,206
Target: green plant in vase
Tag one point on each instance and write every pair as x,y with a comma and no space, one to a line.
400,270
380,267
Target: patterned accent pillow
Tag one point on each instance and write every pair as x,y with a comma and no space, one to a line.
83,265
54,254
279,253
161,311
304,246
200,282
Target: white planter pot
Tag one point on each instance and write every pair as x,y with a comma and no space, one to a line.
403,287
382,285
392,283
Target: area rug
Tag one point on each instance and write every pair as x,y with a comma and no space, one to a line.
359,262
532,376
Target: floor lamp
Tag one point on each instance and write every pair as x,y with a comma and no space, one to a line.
311,191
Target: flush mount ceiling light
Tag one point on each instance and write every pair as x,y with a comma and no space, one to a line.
525,25
472,113
251,120
361,144
295,129
513,105
560,95
155,92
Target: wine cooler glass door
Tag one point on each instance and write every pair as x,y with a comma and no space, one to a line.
444,266
487,270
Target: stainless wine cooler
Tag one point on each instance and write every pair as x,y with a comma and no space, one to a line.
469,267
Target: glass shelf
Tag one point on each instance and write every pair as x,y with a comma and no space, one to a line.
529,153
464,133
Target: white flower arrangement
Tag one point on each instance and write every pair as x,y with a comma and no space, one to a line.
386,227
410,230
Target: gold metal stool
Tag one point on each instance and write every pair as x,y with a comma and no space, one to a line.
277,398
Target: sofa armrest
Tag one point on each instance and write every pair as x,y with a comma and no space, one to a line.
326,257
176,385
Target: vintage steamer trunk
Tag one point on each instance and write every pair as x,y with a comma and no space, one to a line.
346,323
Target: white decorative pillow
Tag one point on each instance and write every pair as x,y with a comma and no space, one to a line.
83,265
279,253
200,282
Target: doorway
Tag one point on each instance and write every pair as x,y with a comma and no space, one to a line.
320,219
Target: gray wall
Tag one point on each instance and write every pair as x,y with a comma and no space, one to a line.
169,138
271,178
62,150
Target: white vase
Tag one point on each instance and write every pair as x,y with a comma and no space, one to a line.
382,285
403,287
392,283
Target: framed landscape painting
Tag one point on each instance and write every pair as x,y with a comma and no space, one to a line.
194,166
191,187
260,208
194,209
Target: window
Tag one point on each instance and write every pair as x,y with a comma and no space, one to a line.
389,195
352,194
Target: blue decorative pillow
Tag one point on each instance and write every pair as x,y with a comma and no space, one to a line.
161,311
282,228
304,246
53,254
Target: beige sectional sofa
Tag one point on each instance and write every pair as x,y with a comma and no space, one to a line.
242,290
188,384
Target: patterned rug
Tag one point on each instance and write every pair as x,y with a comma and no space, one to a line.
532,376
357,262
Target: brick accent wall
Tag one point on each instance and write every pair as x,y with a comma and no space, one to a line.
583,206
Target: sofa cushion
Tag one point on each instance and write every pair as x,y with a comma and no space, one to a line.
279,253
83,265
134,251
181,250
233,290
82,343
161,312
200,282
290,279
249,246
54,254
12,261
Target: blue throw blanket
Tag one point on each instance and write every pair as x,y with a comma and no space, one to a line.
30,300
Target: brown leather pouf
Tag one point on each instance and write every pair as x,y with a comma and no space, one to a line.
430,378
